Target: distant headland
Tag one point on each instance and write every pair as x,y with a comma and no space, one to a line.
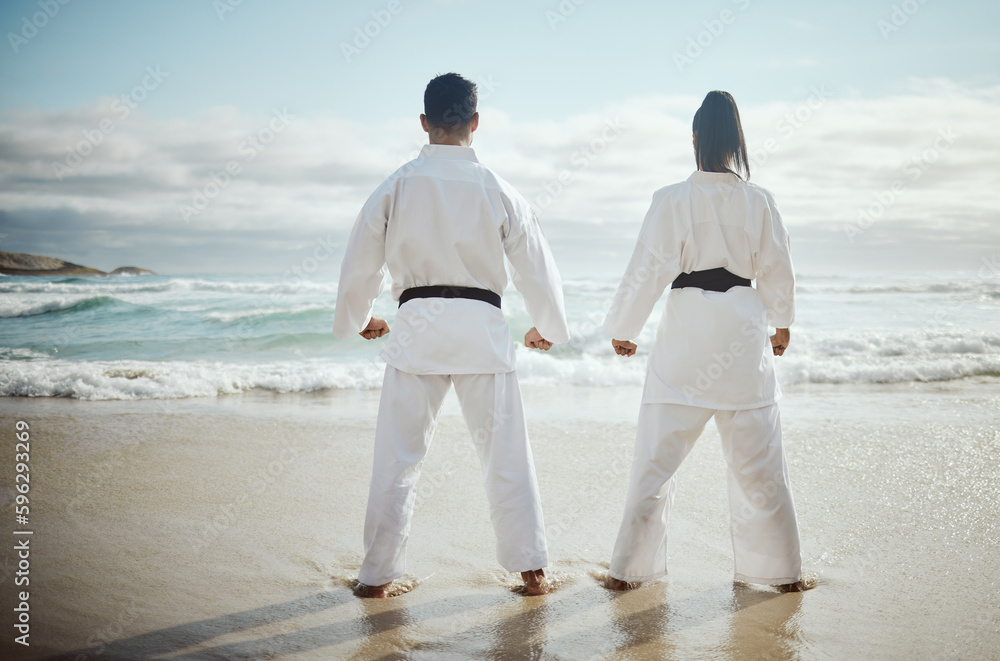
17,263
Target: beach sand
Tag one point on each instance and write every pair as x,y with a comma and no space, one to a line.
232,527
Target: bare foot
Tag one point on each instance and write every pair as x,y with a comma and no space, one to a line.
620,586
798,586
535,582
371,591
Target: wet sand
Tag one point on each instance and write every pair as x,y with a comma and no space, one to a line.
231,528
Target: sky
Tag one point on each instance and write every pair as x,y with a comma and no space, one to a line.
242,136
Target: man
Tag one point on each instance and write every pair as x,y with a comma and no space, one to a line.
441,226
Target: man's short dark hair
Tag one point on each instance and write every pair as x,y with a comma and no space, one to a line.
450,101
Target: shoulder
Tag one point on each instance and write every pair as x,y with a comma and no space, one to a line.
673,190
405,170
391,184
665,198
510,195
681,190
492,179
760,192
382,199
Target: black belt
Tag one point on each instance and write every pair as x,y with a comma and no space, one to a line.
451,291
711,280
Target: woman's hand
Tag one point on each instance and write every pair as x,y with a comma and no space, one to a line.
779,341
624,347
377,327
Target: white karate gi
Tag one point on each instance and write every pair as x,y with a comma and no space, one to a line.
712,356
444,219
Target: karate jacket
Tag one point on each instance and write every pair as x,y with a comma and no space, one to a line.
445,219
712,348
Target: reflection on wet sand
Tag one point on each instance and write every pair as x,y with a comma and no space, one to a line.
765,622
641,624
581,621
513,630
647,624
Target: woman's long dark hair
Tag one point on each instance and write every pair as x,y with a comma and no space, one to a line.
719,143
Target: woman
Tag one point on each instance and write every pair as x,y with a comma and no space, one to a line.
706,238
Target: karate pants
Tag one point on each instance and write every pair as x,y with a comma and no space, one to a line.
764,529
408,410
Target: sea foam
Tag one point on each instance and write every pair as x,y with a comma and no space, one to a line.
163,337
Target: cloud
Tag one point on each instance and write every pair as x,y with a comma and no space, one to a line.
112,186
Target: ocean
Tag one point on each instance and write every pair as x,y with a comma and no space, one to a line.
168,337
